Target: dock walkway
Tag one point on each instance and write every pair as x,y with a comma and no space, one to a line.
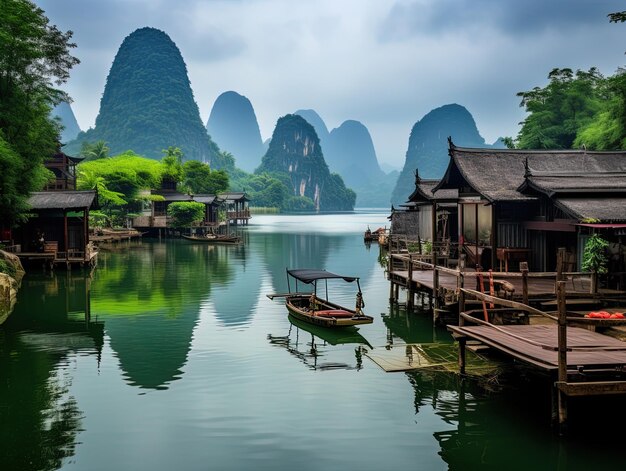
581,361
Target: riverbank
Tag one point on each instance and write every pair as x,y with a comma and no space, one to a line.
11,274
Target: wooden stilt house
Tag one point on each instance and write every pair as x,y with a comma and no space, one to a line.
424,207
521,205
58,228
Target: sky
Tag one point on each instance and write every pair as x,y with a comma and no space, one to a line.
384,63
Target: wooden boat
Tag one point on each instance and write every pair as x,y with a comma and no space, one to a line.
214,239
311,308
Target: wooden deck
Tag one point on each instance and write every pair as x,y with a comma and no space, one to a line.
581,361
539,288
537,345
51,260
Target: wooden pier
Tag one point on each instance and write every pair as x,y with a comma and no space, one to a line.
51,258
442,284
581,361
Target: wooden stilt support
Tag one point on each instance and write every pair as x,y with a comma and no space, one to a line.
391,298
562,342
524,269
462,342
409,285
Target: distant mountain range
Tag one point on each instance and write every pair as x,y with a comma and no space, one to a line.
349,151
234,127
148,105
428,146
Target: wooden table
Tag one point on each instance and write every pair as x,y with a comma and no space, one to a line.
517,254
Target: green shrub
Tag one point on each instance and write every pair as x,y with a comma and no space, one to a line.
7,268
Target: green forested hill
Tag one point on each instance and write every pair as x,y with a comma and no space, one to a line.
295,150
148,104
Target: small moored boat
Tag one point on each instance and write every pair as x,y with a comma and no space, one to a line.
214,239
316,310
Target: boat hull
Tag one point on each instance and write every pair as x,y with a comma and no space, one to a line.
325,314
214,240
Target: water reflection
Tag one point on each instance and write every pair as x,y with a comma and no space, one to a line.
412,327
149,297
311,344
40,419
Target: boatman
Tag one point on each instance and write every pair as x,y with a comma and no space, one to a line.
313,302
360,304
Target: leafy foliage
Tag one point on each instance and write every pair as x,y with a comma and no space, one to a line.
199,178
34,56
561,109
594,255
94,151
185,213
7,268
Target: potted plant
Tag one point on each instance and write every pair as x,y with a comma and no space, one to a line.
595,259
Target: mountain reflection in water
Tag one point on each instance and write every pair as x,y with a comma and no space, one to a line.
170,353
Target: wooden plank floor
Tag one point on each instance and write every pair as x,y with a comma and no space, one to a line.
537,344
537,287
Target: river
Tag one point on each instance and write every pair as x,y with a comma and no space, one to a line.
170,356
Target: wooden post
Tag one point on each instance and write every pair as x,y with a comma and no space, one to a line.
562,337
435,288
494,237
391,291
462,342
524,269
65,236
594,282
433,234
560,261
409,285
461,297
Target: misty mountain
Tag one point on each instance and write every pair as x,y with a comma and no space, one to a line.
428,146
64,112
148,104
317,122
233,126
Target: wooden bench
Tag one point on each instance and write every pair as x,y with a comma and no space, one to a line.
51,247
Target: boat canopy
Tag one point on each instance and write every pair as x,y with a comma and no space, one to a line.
307,275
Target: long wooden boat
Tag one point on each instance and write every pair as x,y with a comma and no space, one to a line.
316,310
214,239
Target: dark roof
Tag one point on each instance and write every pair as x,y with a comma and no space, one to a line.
307,275
234,196
498,174
207,199
61,199
602,208
173,196
424,193
576,183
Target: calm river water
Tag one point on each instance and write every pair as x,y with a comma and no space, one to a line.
170,357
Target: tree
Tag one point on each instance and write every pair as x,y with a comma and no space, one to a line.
34,57
172,164
199,178
185,213
95,151
561,109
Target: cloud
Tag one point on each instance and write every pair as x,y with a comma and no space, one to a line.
381,63
506,17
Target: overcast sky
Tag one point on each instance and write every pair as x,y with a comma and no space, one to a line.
382,62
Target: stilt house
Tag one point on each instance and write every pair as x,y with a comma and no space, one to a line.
518,205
